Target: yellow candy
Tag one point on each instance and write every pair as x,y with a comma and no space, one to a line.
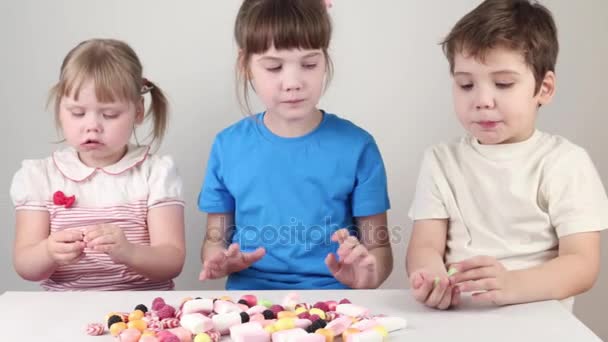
329,335
348,332
285,324
300,310
381,330
318,312
202,337
138,324
286,314
117,328
226,298
270,329
135,315
148,333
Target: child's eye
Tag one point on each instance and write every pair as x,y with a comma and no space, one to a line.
503,85
274,69
310,66
110,116
77,114
466,86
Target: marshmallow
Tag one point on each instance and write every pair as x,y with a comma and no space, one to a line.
249,332
182,333
392,323
196,323
291,300
129,335
309,338
365,324
222,307
203,306
223,322
366,336
339,325
288,335
256,310
351,310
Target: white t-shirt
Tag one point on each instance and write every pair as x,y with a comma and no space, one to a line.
510,201
121,194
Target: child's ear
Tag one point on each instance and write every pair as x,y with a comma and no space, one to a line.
242,66
139,111
547,88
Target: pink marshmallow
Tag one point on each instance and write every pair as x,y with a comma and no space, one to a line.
222,307
351,310
339,325
129,335
196,323
288,335
251,331
309,338
182,333
256,310
203,306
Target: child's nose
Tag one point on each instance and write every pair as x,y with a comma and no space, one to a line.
93,124
484,99
292,81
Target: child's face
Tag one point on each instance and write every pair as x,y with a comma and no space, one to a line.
98,131
495,99
288,82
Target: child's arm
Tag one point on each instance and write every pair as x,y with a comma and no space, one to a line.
37,254
574,271
219,259
427,247
375,237
162,260
429,281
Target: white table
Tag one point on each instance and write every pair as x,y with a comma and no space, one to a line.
61,317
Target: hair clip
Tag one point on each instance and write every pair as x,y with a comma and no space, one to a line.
147,86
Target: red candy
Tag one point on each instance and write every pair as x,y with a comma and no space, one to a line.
304,315
321,306
331,305
276,309
251,300
158,303
95,329
345,301
167,311
313,318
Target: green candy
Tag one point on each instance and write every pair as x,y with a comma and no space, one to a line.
452,271
265,303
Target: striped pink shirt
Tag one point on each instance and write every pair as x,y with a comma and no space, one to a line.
119,194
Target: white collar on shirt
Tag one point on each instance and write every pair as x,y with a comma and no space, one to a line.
69,164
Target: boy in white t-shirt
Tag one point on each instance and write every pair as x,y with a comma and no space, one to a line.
508,213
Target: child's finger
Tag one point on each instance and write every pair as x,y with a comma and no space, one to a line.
369,262
424,291
250,258
357,253
486,284
437,292
474,262
68,236
473,274
332,263
69,247
233,250
101,240
340,235
446,300
105,248
455,296
347,246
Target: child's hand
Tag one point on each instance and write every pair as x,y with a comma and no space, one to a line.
109,239
66,246
485,274
356,267
434,291
229,261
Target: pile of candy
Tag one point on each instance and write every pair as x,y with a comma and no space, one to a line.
207,320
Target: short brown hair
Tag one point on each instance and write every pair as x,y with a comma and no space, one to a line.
520,25
116,72
284,24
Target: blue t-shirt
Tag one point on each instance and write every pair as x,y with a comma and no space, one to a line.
290,195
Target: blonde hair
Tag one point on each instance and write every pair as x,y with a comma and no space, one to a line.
116,72
284,24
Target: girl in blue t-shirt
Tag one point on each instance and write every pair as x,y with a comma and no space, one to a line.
296,197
